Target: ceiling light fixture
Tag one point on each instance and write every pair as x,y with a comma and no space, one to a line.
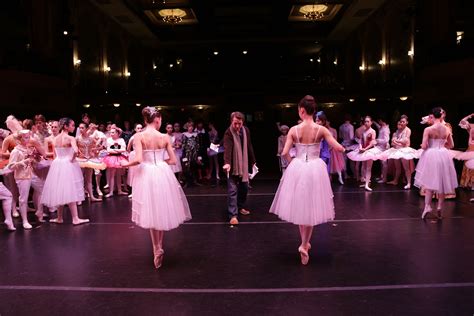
172,16
313,12
137,104
372,99
244,52
351,100
86,106
403,98
116,105
216,53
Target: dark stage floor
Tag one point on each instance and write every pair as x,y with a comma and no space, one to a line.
377,258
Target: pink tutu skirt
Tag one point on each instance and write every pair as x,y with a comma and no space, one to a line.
158,200
113,161
407,153
371,154
336,162
435,171
304,196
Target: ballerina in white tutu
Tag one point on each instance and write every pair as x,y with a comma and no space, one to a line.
304,196
64,184
368,152
435,171
158,201
401,152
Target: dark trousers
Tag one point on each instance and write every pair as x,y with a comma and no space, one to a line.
236,195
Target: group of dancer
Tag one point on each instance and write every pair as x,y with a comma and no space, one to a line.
51,165
364,145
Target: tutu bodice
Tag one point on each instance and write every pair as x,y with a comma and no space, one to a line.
307,152
151,156
436,143
64,153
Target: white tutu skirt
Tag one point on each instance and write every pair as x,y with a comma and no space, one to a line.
407,153
465,155
177,166
92,163
158,200
371,154
435,171
64,184
304,196
131,170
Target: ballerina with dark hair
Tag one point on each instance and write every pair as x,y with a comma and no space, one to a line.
368,152
64,184
158,201
304,196
435,171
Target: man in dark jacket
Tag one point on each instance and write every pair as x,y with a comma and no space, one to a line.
239,159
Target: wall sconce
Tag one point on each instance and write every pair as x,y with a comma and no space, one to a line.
362,68
459,37
335,62
351,100
411,53
319,60
382,62
86,106
77,62
107,69
137,104
127,74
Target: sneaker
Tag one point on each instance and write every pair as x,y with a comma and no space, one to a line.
234,221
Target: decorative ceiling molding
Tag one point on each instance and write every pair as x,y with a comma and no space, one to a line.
353,17
121,14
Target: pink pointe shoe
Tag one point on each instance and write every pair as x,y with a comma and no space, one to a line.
158,258
304,255
426,211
